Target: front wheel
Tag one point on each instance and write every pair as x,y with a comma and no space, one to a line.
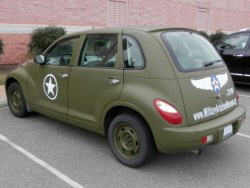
16,100
130,140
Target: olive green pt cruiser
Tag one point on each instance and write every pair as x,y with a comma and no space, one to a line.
147,88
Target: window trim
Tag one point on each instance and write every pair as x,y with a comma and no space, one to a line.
142,53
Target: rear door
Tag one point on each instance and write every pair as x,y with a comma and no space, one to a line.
246,62
96,80
207,96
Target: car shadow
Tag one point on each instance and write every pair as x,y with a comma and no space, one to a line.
95,145
214,154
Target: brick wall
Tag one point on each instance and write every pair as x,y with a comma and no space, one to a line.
15,48
54,12
172,13
226,15
229,15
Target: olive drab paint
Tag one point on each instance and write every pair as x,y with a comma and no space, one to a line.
88,88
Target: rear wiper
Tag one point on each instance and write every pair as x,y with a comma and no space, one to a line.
207,64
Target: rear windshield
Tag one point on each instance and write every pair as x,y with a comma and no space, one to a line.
191,51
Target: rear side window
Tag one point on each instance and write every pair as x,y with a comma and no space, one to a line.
132,53
99,50
190,51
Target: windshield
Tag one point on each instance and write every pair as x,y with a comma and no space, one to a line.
191,51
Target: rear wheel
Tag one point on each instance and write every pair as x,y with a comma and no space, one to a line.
16,100
130,140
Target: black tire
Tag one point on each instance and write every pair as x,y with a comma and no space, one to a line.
16,100
130,140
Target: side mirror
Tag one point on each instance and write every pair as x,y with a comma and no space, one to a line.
40,59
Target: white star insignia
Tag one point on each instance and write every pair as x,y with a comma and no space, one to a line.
50,87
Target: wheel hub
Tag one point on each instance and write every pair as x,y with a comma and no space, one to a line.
16,100
127,141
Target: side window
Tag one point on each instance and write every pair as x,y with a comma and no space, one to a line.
99,50
61,53
236,42
132,53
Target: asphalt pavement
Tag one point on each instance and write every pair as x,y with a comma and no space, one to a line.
38,152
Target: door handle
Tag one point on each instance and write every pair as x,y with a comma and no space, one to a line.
238,55
112,81
63,75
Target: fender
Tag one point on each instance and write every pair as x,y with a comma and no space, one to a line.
119,103
20,75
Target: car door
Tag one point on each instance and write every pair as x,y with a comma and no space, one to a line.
48,83
96,80
246,62
233,50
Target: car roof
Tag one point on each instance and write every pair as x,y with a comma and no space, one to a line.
119,29
139,28
245,29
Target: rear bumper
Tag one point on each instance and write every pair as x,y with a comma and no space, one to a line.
181,139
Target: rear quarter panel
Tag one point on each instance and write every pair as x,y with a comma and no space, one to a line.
141,92
155,80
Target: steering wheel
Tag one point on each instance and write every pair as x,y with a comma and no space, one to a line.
65,59
224,45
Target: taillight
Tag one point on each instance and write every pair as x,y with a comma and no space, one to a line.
204,140
168,112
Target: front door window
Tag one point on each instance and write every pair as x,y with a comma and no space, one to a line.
61,53
237,42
